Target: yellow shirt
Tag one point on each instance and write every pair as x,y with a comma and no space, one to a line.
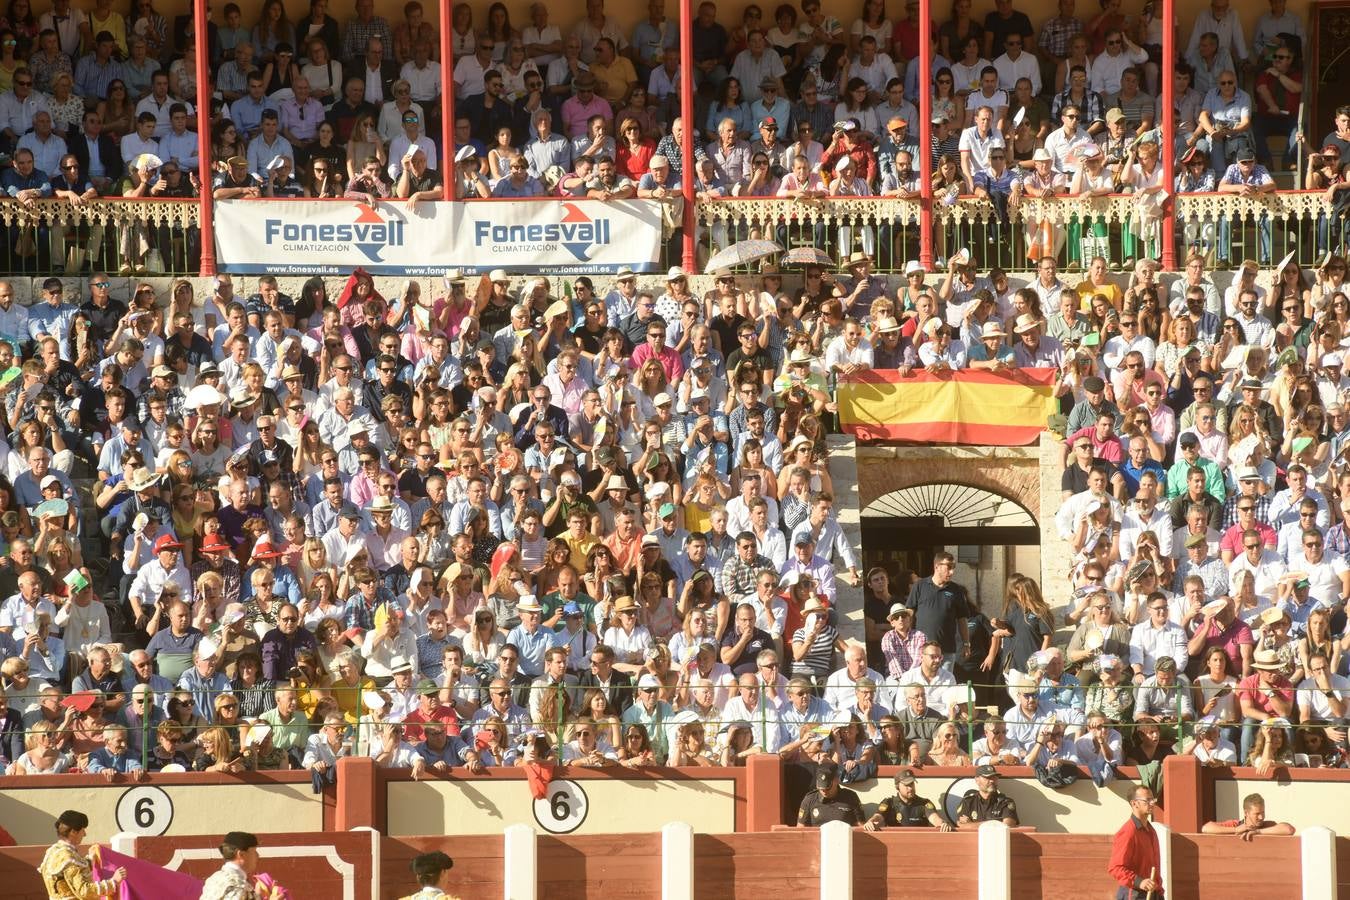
697,518
1087,290
579,547
613,80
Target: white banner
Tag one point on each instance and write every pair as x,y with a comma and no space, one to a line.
330,237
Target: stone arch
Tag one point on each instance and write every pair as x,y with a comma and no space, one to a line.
957,505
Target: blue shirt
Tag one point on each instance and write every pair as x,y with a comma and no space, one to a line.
35,180
101,760
532,648
1132,473
43,318
505,187
204,690
246,114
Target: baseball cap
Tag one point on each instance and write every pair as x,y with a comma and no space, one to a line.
826,775
1093,385
987,771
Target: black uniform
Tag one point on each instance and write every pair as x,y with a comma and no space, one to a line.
999,806
896,813
844,806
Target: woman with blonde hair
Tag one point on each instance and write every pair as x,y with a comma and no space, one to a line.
1025,626
946,749
649,382
483,641
314,561
40,756
218,752
494,749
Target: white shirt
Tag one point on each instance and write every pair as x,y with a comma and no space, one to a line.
1025,66
1116,348
838,354
1132,525
151,578
977,146
765,724
1268,571
425,82
1105,71
938,690
839,686
1149,644
1312,703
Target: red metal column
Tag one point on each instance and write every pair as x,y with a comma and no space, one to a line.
447,102
925,133
206,216
690,130
1167,151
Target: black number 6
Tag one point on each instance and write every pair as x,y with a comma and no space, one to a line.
144,813
558,806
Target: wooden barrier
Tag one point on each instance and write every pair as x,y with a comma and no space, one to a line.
785,862
173,804
336,866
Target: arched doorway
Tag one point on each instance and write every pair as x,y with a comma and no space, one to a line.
902,529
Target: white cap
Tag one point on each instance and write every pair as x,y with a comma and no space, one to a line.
648,681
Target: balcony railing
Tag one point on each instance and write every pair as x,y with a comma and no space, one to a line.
115,235
1072,229
163,235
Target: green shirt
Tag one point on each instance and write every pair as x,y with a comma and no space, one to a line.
287,736
551,603
1176,478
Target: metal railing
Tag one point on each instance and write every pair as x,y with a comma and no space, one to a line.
162,236
1120,227
115,235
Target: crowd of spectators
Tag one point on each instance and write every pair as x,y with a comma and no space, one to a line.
803,107
599,518
319,520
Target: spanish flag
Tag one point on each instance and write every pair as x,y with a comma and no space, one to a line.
1005,408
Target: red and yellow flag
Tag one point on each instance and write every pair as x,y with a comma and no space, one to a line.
972,406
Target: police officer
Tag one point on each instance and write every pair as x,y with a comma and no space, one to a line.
906,809
986,803
829,802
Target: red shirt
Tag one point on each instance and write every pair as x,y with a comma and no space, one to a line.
412,723
1232,538
1249,689
1134,854
1288,102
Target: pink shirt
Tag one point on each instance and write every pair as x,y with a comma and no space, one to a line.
575,114
670,361
1108,449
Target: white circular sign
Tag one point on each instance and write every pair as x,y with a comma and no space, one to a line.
144,810
563,808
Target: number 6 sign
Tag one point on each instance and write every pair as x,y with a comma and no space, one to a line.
145,811
563,808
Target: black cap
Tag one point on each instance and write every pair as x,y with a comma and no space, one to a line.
237,841
431,864
1093,385
73,819
905,777
349,511
987,772
826,775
